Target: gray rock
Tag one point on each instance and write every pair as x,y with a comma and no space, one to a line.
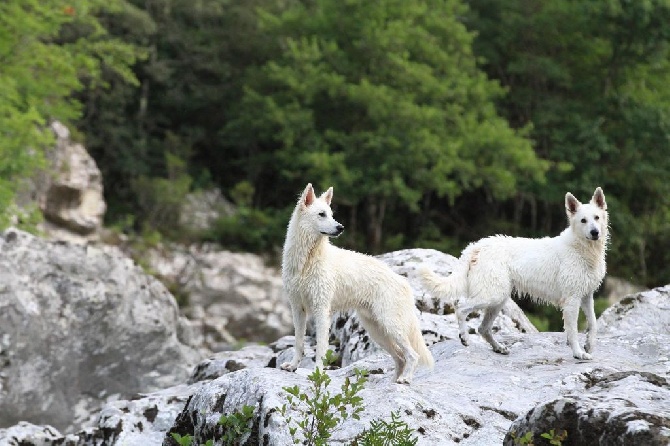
646,312
230,296
69,192
140,421
201,209
615,288
23,434
219,364
80,325
614,409
473,395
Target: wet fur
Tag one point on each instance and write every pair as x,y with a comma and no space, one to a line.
320,278
564,271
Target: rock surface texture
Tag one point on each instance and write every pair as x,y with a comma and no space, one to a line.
70,192
81,325
230,296
472,397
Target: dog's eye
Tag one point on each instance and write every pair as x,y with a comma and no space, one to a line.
583,220
597,218
322,214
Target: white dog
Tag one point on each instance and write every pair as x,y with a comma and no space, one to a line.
320,279
563,270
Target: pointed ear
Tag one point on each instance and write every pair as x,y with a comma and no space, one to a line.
307,197
599,199
571,203
328,195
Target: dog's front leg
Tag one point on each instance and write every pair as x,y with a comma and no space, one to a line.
300,325
589,312
322,327
570,316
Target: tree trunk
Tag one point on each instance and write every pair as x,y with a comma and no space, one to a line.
375,210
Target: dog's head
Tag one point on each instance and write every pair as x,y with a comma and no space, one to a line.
588,220
316,215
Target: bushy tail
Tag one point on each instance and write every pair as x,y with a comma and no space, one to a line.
419,346
447,288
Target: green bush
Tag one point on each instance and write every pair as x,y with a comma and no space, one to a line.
387,433
319,411
236,427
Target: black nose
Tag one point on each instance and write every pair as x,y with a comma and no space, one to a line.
594,233
339,228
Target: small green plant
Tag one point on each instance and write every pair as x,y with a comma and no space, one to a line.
320,412
331,359
555,438
236,427
182,440
525,440
387,433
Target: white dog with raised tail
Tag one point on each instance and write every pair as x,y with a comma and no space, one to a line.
564,270
320,279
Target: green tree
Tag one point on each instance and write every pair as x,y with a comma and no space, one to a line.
196,52
383,100
42,66
591,78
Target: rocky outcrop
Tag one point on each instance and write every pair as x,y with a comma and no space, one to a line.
473,396
615,288
614,408
81,325
68,191
201,209
230,297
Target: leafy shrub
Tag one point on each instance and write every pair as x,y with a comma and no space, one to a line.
387,433
319,411
236,427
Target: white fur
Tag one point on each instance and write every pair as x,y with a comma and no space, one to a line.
564,270
320,278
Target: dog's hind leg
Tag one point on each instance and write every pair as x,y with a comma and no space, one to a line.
300,324
589,312
570,316
404,356
463,329
484,329
410,359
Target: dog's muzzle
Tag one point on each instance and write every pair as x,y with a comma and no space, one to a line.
595,234
338,230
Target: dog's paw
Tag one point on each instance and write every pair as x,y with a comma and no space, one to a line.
403,380
502,350
582,355
464,340
288,366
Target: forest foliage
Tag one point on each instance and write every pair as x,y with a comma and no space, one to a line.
437,121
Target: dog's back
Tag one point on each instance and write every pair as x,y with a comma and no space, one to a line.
549,269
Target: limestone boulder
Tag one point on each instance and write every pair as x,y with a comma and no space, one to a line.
615,288
79,326
472,397
231,297
69,191
201,210
613,409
